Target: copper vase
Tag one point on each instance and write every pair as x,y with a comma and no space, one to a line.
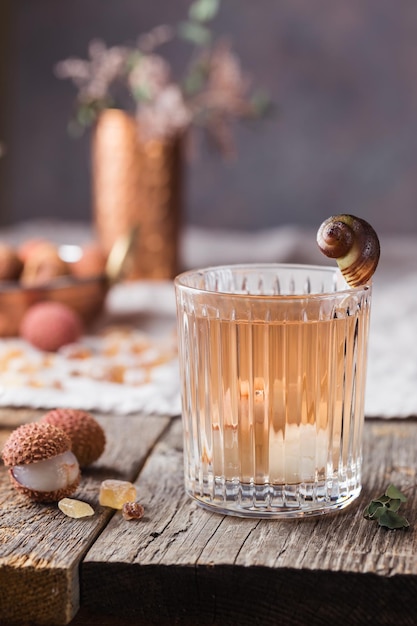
137,184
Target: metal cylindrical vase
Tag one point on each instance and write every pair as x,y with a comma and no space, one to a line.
137,184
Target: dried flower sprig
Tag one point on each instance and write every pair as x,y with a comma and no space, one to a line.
384,509
214,91
94,78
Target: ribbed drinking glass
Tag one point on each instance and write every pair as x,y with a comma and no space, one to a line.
273,369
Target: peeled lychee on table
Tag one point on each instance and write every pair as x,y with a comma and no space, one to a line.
40,462
50,325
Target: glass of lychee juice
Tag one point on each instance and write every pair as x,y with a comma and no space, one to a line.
273,368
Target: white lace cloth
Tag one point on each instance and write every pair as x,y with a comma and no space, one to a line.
123,370
392,363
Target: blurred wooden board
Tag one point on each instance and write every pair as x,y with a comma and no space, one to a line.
40,548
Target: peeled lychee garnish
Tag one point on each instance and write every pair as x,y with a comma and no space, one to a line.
41,464
49,475
87,436
50,325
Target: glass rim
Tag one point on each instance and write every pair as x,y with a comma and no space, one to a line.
330,269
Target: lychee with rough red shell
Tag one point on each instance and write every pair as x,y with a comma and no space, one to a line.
40,462
88,439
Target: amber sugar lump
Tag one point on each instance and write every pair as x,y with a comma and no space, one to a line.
115,493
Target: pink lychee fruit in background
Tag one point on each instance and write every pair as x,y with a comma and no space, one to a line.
50,325
91,263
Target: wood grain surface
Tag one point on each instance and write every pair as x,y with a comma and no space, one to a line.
183,565
40,548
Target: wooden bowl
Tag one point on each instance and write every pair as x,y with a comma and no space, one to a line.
85,295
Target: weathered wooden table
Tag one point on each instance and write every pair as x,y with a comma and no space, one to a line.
183,565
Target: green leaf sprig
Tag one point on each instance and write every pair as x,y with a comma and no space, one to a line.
195,29
385,509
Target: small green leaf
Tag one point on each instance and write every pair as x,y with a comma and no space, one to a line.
193,84
372,509
203,10
393,505
392,520
141,94
395,494
195,33
385,507
86,115
196,79
133,59
261,103
382,499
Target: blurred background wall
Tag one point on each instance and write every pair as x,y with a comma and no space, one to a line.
343,75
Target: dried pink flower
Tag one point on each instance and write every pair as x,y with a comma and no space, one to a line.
165,116
94,77
215,90
155,38
227,86
149,76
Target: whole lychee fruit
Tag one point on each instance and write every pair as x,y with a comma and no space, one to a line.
10,264
42,265
91,263
41,463
87,436
25,249
50,325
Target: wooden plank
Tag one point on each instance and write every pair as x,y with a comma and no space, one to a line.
40,548
181,564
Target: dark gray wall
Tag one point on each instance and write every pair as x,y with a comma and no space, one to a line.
344,75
